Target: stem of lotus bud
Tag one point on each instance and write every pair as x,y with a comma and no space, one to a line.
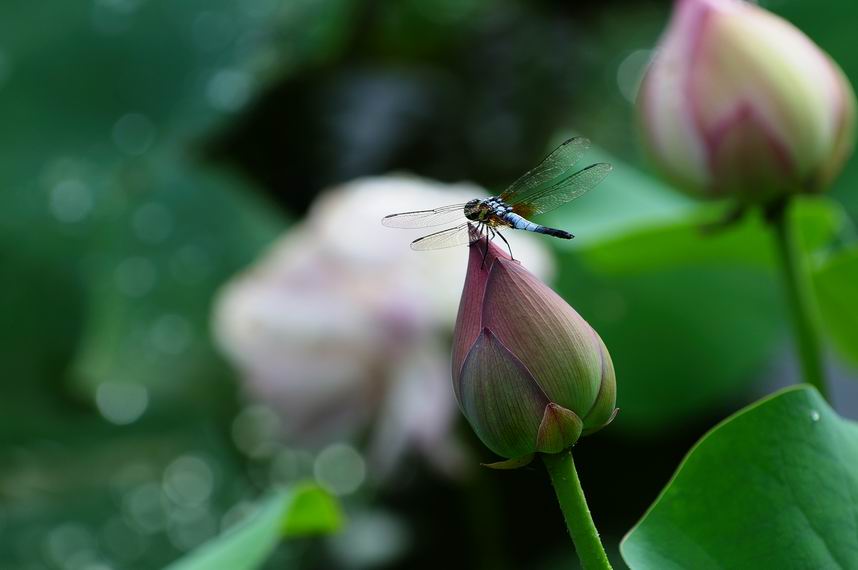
799,297
570,496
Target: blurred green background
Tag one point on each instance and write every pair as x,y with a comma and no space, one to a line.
151,150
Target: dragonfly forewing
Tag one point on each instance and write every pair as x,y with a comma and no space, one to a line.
425,218
564,190
555,167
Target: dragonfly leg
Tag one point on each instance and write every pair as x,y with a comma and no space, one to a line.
507,245
482,228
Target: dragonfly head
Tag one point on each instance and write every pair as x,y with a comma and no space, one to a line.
474,210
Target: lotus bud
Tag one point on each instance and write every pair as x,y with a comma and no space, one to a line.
739,102
529,374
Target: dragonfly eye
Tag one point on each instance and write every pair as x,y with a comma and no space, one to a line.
472,209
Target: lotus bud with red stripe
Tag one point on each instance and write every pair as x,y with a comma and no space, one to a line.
529,373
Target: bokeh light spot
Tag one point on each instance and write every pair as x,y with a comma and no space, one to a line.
70,201
255,430
191,526
121,542
171,334
291,465
135,276
113,17
191,264
261,8
144,508
237,513
152,223
229,90
120,403
340,469
371,539
66,540
133,134
188,481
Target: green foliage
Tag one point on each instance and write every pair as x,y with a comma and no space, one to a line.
682,340
114,237
771,487
835,281
674,300
299,511
149,301
670,303
441,89
698,240
311,511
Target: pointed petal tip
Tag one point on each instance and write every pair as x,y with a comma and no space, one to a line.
560,429
594,429
509,464
487,336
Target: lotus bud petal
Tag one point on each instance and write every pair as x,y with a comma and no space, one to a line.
560,429
529,373
500,398
739,102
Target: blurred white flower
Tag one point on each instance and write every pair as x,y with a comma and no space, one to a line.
344,330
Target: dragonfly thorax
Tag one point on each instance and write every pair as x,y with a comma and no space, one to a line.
483,210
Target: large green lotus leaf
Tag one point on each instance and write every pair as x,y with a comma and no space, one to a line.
774,486
101,105
683,340
302,510
836,284
686,241
673,302
180,233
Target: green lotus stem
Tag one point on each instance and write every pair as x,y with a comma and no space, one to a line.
799,293
570,495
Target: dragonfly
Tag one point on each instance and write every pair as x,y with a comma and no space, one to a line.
549,185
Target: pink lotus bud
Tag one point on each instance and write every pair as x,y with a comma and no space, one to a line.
529,373
740,102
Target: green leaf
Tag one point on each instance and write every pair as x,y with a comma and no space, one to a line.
774,486
302,510
312,511
670,301
683,242
682,340
157,331
836,284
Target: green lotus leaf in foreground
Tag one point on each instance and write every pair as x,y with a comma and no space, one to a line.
774,486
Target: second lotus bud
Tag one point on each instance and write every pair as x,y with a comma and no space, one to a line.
740,103
529,373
